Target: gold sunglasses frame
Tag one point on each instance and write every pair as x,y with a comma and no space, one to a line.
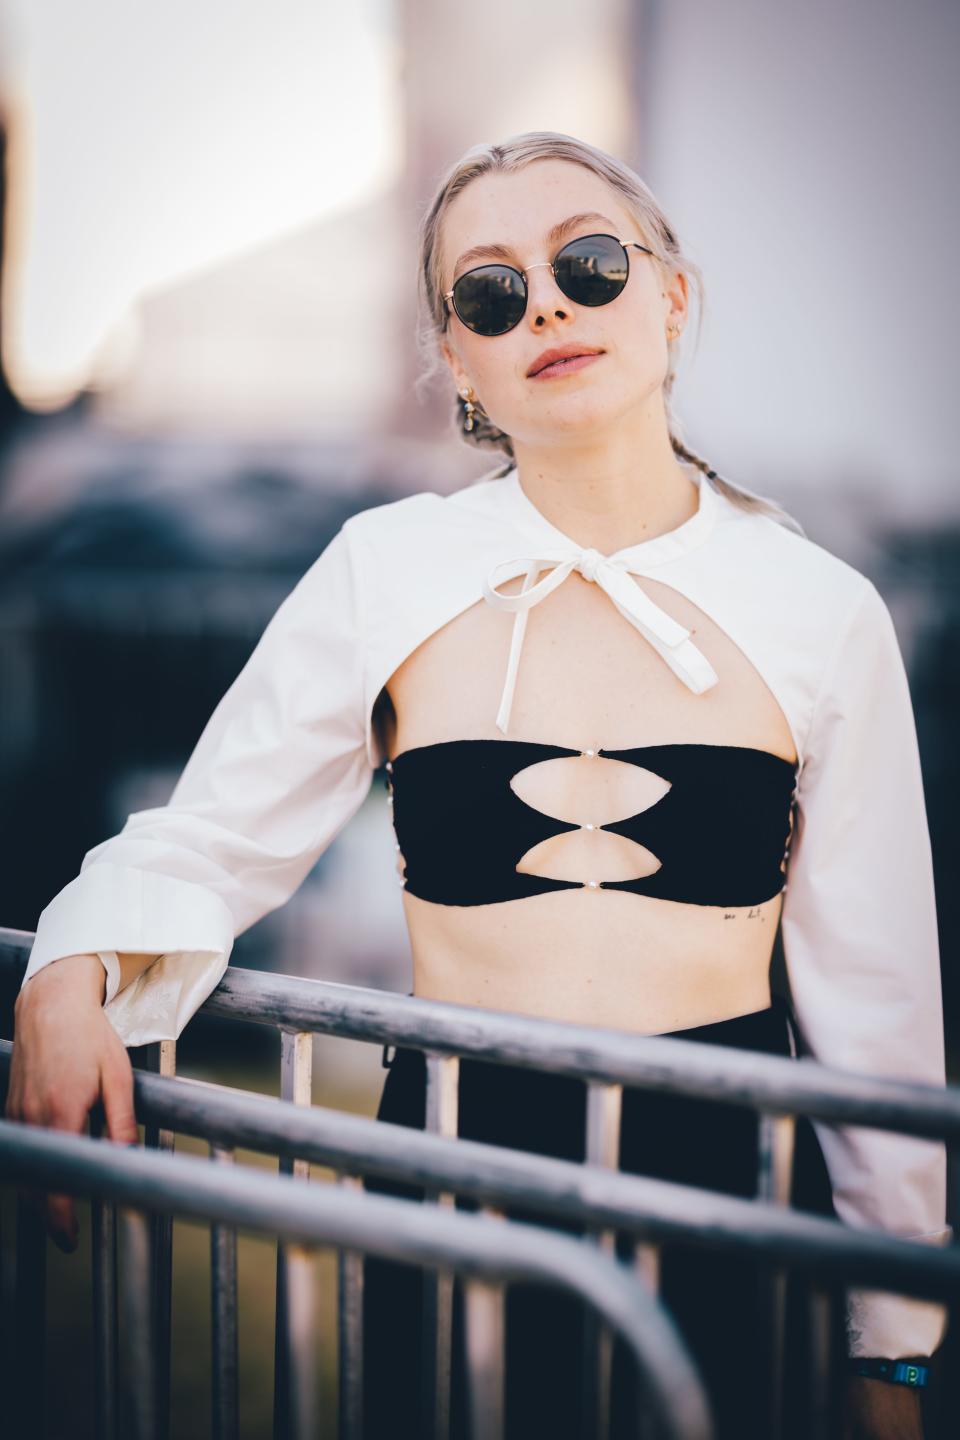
594,235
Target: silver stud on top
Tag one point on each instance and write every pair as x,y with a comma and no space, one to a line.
589,827
593,884
389,766
590,754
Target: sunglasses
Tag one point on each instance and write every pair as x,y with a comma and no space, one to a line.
591,270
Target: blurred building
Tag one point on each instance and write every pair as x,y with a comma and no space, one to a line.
296,338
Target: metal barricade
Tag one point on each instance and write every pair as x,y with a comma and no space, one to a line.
482,1249
779,1089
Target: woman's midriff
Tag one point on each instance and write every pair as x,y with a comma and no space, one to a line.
598,957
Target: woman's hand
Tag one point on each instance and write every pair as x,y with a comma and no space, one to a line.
877,1410
66,1056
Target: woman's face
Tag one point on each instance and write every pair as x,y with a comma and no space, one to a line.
518,210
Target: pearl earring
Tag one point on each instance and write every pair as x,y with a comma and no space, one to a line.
467,396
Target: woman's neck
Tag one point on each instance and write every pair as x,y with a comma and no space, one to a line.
609,496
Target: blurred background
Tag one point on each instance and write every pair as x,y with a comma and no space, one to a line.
207,362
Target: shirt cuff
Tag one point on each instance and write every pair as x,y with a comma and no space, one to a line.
157,1004
897,1326
109,910
111,964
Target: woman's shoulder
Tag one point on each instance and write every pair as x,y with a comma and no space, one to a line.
745,558
427,535
424,509
786,560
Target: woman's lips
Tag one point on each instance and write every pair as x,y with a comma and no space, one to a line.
565,367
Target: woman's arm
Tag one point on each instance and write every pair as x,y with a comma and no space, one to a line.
129,949
115,972
862,953
279,769
66,1056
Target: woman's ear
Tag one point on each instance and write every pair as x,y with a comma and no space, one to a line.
677,291
454,365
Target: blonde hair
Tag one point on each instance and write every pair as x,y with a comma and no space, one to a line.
509,156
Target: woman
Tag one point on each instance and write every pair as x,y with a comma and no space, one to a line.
620,701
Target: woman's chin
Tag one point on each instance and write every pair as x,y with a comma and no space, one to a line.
572,423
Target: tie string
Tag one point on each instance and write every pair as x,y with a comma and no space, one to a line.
669,638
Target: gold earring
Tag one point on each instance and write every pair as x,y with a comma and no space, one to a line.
673,331
467,396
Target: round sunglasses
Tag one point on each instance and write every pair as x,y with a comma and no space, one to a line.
591,270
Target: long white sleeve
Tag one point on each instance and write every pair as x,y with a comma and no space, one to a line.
862,953
279,769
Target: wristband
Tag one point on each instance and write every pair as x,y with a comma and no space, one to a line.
897,1372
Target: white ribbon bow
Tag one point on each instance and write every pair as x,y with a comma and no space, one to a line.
670,639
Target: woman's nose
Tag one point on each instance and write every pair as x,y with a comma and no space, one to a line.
544,296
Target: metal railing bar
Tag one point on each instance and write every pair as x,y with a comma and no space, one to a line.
161,1059
143,1417
289,1375
950,1346
393,1229
442,1106
7,1270
103,1241
646,1263
484,1321
655,1062
662,1209
828,1343
604,1111
776,1146
296,1086
300,1318
773,1292
775,1156
350,1333
224,1373
30,1309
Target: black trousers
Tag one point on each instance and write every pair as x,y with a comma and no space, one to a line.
714,1299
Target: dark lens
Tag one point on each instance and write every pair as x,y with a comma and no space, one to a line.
490,299
592,270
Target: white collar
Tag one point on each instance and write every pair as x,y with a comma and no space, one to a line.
557,552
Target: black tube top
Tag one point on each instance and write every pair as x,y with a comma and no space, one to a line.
719,832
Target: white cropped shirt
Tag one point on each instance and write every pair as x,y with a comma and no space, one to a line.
287,758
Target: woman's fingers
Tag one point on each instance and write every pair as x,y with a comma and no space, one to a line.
61,1210
62,1226
58,1211
66,1057
117,1089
